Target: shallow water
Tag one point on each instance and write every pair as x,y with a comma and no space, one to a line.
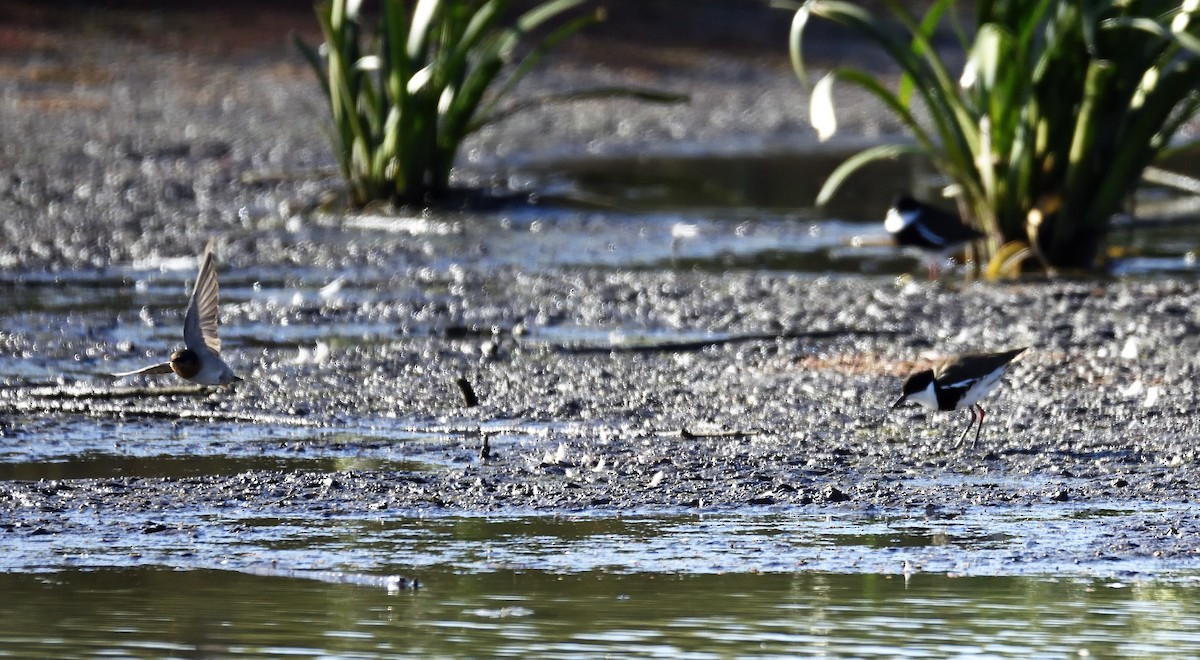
87,448
155,612
755,210
790,582
359,537
174,467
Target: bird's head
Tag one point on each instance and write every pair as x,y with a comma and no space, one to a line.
919,388
904,203
902,213
185,363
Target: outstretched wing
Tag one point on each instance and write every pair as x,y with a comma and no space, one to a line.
200,324
164,368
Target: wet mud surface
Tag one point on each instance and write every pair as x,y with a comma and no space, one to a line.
351,336
1100,411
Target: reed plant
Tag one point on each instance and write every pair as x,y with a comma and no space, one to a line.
1046,131
406,89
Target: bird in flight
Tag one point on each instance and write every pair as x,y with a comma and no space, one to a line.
200,360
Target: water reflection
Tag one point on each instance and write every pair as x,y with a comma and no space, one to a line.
771,181
764,195
102,466
212,613
91,448
363,537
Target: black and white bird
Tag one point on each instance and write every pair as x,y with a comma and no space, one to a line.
936,233
959,383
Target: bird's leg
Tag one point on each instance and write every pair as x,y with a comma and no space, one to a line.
980,427
970,423
934,270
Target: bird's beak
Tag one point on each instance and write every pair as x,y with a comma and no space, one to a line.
899,401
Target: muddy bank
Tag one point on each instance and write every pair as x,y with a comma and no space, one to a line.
1101,409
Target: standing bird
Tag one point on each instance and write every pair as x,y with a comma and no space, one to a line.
937,233
200,360
958,383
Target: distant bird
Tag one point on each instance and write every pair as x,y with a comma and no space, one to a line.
937,233
200,360
959,383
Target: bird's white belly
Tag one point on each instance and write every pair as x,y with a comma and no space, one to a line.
213,372
979,390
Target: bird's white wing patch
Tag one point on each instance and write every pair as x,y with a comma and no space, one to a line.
962,384
977,389
153,370
930,236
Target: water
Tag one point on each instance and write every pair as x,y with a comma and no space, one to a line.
90,448
755,210
356,538
102,466
685,585
154,612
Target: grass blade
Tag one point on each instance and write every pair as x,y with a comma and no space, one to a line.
860,160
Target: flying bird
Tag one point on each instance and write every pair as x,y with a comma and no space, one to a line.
200,360
959,383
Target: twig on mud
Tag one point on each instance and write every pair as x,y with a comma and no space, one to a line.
470,399
60,393
392,583
84,408
277,176
701,344
468,392
102,403
693,435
